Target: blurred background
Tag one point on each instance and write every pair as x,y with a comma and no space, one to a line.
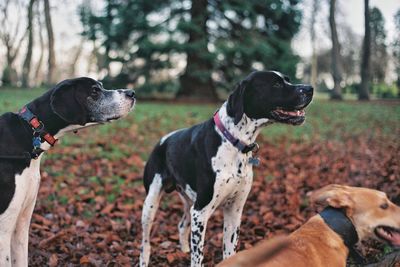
182,56
199,49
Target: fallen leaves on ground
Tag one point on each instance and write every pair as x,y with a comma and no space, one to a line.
89,206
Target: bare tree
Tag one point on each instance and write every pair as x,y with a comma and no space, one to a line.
363,93
75,58
314,63
10,36
26,69
50,36
38,75
336,68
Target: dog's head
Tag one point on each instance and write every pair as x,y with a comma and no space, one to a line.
371,212
84,101
269,95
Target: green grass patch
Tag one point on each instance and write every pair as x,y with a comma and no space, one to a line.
325,120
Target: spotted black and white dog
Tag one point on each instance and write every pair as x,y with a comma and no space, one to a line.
71,105
210,164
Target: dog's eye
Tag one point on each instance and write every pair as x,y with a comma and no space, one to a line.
384,206
95,92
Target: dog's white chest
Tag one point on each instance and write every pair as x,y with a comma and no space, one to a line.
234,174
27,183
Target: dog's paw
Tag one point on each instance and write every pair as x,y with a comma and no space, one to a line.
185,248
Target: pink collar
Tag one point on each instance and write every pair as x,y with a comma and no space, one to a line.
241,146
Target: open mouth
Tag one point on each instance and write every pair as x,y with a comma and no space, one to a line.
388,234
113,118
294,117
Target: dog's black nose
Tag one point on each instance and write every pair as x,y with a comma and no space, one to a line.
307,90
130,93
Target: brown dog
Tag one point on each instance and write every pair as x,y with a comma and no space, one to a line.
352,214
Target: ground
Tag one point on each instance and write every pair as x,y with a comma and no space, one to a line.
89,205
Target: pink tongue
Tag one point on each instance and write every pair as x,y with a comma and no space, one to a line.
396,239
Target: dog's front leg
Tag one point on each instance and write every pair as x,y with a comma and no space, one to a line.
199,219
20,236
5,248
232,219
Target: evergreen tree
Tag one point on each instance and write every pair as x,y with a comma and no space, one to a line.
221,41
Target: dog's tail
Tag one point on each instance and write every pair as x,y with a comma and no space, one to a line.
157,165
259,254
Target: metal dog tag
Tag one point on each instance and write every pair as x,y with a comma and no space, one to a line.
254,161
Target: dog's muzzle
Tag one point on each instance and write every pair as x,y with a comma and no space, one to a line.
295,115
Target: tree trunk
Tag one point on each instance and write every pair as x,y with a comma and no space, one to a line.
9,38
363,93
336,69
196,82
50,36
314,63
26,69
38,75
78,52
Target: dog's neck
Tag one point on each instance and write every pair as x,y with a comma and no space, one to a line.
41,108
246,130
337,220
53,123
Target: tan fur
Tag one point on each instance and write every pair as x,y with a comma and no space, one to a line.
314,244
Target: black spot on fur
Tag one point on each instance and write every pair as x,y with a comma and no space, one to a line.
232,237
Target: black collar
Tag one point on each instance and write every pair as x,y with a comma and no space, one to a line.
337,220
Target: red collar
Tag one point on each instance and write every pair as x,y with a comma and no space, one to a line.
38,128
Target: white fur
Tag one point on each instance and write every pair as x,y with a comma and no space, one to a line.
231,186
15,221
150,207
234,176
14,231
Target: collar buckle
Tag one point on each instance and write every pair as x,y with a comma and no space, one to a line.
37,125
241,146
39,132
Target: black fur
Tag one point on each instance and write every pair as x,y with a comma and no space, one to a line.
59,107
185,158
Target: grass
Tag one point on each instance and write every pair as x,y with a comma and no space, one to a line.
325,120
113,148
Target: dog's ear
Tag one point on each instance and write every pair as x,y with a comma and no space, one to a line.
336,196
66,103
235,107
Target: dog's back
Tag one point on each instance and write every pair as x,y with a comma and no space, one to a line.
177,155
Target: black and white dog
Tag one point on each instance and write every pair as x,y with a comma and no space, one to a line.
210,164
71,105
